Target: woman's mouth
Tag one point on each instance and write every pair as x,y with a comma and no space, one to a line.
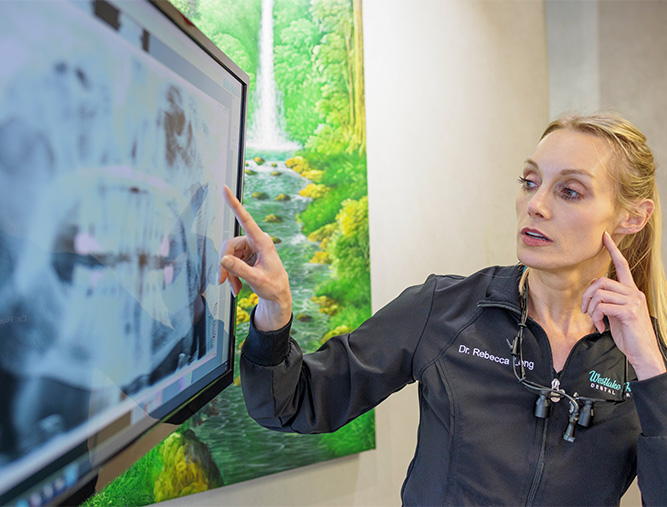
533,237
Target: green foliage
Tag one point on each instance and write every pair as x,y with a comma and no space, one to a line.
334,57
296,35
357,435
314,54
334,16
297,79
313,61
134,487
314,72
345,174
180,465
188,467
233,26
350,250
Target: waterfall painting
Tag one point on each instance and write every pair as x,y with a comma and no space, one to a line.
305,184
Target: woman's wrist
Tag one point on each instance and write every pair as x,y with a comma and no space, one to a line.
650,363
649,369
272,315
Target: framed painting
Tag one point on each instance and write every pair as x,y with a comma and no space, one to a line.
305,184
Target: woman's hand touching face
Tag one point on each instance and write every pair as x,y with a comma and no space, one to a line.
254,258
625,307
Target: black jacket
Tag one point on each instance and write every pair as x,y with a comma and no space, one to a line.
479,442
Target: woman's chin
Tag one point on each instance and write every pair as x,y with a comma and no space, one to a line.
536,261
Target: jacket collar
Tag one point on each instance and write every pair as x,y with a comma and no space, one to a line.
503,290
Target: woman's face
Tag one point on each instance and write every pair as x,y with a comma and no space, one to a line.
565,204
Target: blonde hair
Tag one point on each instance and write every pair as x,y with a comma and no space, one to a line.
634,175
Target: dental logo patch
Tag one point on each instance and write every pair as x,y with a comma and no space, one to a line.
605,384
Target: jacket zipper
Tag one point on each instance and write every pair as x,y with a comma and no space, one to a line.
555,384
537,477
540,466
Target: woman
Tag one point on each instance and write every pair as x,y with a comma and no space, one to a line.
541,383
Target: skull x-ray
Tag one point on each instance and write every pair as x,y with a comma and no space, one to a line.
111,176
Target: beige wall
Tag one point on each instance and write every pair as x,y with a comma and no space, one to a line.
633,73
456,95
611,55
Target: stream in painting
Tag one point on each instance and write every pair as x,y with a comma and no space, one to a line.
240,447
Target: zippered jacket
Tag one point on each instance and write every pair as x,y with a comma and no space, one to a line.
479,441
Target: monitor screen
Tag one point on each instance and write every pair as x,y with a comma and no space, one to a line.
120,125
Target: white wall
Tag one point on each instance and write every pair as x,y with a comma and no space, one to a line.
456,96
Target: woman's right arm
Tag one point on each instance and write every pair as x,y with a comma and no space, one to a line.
350,374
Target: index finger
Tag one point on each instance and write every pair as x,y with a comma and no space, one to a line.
620,263
247,222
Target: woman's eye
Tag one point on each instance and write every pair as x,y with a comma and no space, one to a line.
527,184
570,194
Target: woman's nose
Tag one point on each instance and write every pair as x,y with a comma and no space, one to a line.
538,204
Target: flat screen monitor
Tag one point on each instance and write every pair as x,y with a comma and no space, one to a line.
120,125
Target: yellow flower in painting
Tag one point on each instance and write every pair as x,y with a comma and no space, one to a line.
187,467
321,258
323,233
242,316
336,332
352,215
328,306
295,163
248,302
314,191
314,175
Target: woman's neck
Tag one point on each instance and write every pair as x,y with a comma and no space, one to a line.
556,295
554,301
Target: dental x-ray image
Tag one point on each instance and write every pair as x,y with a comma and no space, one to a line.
111,177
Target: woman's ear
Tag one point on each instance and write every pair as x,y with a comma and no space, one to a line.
634,220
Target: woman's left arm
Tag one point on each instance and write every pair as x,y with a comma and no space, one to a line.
625,307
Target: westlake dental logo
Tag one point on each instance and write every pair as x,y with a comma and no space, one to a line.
605,384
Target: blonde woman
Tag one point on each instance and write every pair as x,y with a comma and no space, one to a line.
540,383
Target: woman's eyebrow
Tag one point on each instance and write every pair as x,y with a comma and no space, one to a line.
580,172
531,162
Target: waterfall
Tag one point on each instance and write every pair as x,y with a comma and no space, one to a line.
266,133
